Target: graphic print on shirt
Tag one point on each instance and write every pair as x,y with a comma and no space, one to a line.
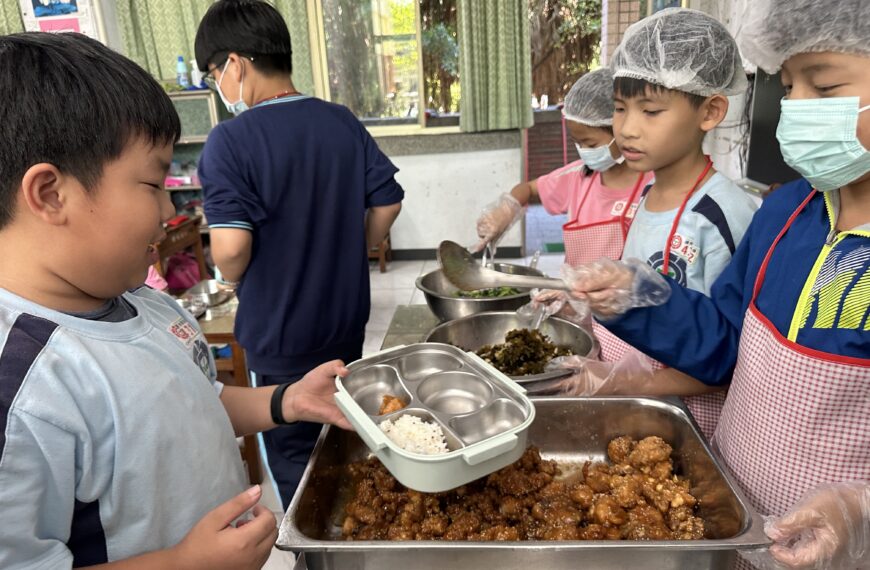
619,206
200,356
840,297
677,266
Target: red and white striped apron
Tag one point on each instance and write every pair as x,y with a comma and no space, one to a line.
591,242
705,408
795,417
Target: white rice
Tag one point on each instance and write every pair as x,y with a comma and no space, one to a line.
415,435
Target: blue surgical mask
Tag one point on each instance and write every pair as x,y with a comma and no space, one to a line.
239,106
819,139
598,158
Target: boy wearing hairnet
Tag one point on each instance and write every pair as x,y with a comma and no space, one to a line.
672,73
788,321
598,192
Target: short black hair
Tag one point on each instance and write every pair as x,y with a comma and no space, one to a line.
247,27
70,101
628,87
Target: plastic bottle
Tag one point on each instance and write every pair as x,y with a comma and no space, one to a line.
181,73
195,74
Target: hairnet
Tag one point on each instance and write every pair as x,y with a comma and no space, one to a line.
775,30
681,49
590,100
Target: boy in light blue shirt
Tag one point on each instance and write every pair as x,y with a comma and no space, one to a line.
672,73
117,444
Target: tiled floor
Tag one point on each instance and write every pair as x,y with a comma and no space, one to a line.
389,290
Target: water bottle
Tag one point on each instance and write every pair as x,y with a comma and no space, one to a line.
181,73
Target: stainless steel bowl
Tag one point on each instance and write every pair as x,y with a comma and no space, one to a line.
208,292
472,332
442,300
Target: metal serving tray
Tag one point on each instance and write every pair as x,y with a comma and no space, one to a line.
570,431
483,414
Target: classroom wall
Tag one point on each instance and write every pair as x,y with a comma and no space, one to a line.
445,192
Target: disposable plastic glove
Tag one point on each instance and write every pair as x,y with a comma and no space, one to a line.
611,288
560,304
631,374
828,529
495,220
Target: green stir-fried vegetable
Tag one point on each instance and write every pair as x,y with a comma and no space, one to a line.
489,293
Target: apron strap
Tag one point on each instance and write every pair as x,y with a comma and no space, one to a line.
667,252
759,279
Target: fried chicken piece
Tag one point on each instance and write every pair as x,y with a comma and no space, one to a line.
391,404
511,507
646,523
627,490
561,533
497,533
434,526
462,526
684,524
648,452
558,512
597,476
619,449
606,511
582,494
668,494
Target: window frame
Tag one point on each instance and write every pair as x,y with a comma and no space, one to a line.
320,72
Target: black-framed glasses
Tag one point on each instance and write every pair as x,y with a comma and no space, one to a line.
209,79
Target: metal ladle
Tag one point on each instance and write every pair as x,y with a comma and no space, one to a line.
463,271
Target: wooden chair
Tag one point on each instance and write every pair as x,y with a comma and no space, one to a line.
383,253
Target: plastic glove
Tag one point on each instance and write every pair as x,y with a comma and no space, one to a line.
632,374
562,305
495,220
613,287
828,529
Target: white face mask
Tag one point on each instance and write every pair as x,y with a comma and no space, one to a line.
819,139
239,106
599,158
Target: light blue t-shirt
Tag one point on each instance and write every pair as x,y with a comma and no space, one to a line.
712,225
114,441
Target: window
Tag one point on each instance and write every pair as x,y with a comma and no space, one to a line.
383,59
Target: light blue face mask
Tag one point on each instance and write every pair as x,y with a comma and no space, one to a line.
599,158
819,139
239,106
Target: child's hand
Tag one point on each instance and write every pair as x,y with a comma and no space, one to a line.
312,399
496,219
829,528
613,287
215,544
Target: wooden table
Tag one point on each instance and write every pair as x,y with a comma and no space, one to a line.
217,326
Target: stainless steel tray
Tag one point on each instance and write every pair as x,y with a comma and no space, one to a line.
483,414
568,430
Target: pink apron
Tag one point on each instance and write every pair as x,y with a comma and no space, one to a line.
795,417
591,242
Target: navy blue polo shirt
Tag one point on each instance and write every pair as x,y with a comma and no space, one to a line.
299,174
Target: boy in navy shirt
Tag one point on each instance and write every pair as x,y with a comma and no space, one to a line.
296,192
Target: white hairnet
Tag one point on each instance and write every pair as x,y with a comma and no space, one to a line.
590,100
681,49
775,30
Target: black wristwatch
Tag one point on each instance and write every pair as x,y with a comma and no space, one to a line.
275,406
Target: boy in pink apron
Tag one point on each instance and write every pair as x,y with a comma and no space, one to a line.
788,321
598,192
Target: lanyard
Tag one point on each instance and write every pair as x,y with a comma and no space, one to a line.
667,250
278,96
628,204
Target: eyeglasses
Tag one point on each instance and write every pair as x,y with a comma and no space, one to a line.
209,77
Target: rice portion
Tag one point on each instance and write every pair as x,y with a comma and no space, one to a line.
415,435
